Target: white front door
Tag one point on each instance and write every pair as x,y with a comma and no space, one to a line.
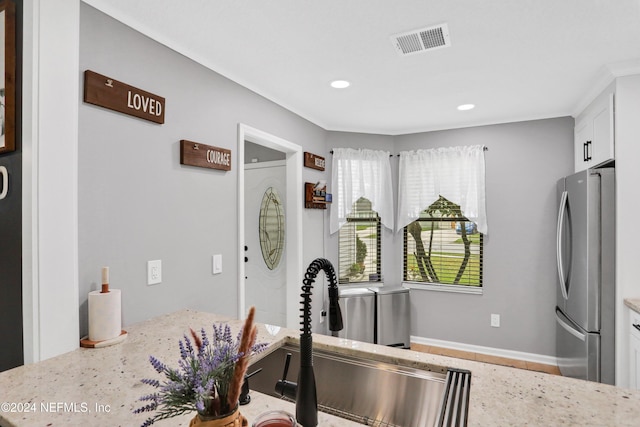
265,285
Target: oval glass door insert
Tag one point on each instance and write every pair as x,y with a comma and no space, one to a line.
271,228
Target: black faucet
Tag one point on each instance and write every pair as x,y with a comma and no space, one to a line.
245,399
305,389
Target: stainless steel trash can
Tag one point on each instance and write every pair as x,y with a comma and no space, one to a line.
392,316
358,314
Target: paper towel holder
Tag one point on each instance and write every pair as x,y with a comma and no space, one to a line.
105,280
87,343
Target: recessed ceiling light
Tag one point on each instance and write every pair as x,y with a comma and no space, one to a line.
340,84
465,107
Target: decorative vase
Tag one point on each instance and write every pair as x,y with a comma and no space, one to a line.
233,419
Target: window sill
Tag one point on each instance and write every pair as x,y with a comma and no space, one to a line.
456,289
360,285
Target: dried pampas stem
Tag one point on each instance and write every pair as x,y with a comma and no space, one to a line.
196,339
249,334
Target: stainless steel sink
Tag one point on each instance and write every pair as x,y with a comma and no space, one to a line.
367,391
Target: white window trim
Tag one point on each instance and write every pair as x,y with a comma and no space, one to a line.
356,285
441,287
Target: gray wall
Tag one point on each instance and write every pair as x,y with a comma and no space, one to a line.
137,203
523,164
261,153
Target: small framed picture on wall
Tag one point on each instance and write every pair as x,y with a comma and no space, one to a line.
8,74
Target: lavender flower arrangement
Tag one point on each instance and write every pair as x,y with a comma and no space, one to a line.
209,375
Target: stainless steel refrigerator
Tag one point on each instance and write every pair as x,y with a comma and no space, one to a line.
585,310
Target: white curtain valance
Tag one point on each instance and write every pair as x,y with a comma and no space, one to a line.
360,173
455,173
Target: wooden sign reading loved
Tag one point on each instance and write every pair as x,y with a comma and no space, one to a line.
204,156
109,93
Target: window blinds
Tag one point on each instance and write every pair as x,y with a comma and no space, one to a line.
435,251
359,245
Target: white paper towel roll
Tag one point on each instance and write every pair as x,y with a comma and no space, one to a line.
105,318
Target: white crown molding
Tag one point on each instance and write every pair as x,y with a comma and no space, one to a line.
625,68
109,10
607,75
603,80
499,352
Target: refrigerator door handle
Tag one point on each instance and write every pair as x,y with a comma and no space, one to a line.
5,182
559,236
567,327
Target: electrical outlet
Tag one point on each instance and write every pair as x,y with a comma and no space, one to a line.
216,262
154,272
495,320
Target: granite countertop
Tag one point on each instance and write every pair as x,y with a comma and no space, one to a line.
100,387
633,304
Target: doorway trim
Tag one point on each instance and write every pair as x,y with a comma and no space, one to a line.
293,215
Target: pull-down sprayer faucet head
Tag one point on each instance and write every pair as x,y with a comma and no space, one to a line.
306,399
335,315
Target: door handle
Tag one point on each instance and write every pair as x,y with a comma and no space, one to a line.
569,328
589,150
5,182
559,239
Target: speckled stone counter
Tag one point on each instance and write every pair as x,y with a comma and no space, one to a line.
100,387
633,304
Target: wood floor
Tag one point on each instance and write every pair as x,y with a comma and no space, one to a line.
514,363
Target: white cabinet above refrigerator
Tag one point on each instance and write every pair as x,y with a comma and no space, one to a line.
594,133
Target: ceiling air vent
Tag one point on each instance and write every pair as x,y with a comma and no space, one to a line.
417,41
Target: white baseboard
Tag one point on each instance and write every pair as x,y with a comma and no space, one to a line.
510,354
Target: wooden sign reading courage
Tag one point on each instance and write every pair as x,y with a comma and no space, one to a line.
204,156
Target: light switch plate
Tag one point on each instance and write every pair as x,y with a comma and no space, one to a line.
154,272
217,264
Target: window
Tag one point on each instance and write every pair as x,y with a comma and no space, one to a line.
455,173
443,247
359,245
356,174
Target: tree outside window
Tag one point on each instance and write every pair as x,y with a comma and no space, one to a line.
359,245
443,247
